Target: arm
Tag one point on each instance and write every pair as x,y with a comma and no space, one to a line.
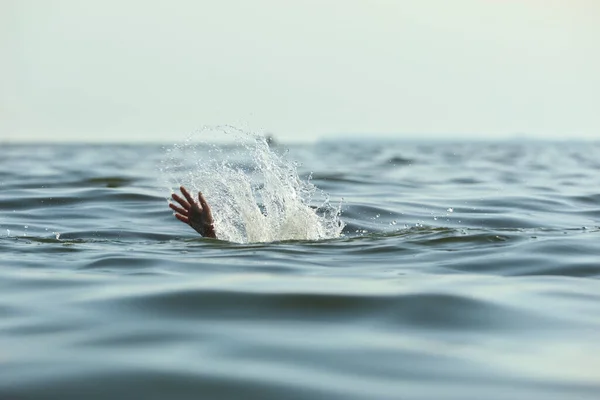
196,214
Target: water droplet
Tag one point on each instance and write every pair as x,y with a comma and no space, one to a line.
8,232
394,222
26,226
450,209
261,184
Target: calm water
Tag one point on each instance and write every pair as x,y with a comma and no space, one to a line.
464,271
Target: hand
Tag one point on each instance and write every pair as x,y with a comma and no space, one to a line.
195,214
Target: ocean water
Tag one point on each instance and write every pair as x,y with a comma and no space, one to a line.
408,270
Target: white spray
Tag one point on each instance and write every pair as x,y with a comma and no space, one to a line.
255,194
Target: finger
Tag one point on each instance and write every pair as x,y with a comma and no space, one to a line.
182,218
181,201
187,195
203,202
178,209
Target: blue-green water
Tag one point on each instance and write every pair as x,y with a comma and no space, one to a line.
464,271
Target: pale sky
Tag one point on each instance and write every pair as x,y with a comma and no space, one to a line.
306,69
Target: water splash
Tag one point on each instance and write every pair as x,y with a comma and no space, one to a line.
255,194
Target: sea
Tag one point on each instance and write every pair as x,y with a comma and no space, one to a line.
342,269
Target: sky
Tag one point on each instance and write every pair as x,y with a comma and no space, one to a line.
302,70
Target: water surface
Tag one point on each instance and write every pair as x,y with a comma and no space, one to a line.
463,271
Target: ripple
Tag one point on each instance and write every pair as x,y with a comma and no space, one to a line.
466,270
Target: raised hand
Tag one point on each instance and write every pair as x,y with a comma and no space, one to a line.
195,214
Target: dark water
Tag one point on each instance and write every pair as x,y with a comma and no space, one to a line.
466,271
